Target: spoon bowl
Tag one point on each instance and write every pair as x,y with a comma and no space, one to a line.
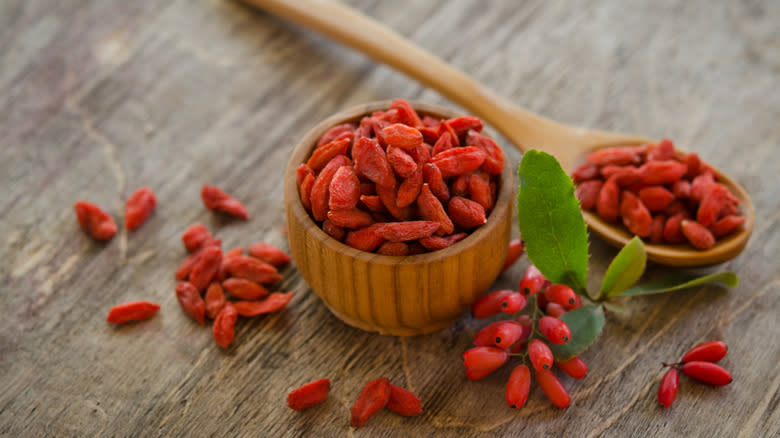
523,128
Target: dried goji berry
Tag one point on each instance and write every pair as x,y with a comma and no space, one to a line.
711,204
615,156
409,189
373,398
217,200
224,326
406,114
132,311
431,209
305,191
460,186
353,218
252,269
308,395
635,215
585,172
373,203
190,301
389,198
532,281
301,171
457,161
696,233
434,243
662,151
707,372
464,124
323,154
693,162
667,391
479,190
442,144
403,402
540,354
215,300
366,239
553,388
334,132
194,236
405,231
272,303
518,387
320,191
393,249
269,254
465,212
657,229
138,208
432,177
333,230
223,273
608,202
514,252
673,229
726,225
655,198
402,136
205,268
624,176
401,162
661,172
494,156
555,330
701,185
712,351
244,289
588,193
574,367
186,265
94,221
344,189
681,189
445,127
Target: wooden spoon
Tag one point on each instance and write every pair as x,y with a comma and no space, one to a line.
523,128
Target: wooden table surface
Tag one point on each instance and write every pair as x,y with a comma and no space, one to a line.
98,98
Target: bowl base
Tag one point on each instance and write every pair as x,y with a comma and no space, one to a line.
392,331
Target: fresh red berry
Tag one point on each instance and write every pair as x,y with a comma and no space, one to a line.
518,387
553,388
484,360
668,388
540,354
532,281
485,337
513,254
507,333
554,309
555,330
489,304
712,351
562,295
574,367
707,372
577,302
513,303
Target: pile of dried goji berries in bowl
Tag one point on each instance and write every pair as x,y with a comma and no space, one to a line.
398,214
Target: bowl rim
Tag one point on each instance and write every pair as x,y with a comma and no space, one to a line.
306,145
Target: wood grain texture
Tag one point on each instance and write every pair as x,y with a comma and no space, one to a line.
100,97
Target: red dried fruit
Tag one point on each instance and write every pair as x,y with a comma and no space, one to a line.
269,254
442,144
445,128
301,172
711,204
585,172
401,162
662,151
540,354
406,231
681,189
132,311
574,367
406,114
373,203
513,254
138,208
224,326
215,300
308,395
190,301
334,132
217,200
389,198
409,189
667,391
194,236
94,221
333,230
305,191
353,218
252,269
657,229
561,294
457,161
323,154
712,351
608,202
694,164
696,233
393,249
479,190
244,289
485,359
661,172
707,372
553,388
464,124
431,209
532,281
434,243
494,156
404,402
366,239
615,156
344,189
460,186
655,198
673,229
373,398
223,273
726,225
588,193
518,387
465,212
320,191
701,185
272,303
186,265
402,136
555,330
635,215
206,267
432,177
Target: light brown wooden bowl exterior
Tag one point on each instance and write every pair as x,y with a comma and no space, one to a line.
401,296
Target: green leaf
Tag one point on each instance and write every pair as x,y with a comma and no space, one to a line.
614,306
550,220
681,280
625,269
585,324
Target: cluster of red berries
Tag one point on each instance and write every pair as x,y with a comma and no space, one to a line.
698,364
526,336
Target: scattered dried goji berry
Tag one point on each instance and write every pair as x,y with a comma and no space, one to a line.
696,233
244,289
94,221
224,326
132,311
215,300
308,395
272,303
138,208
206,267
252,269
194,236
268,253
217,200
372,398
190,301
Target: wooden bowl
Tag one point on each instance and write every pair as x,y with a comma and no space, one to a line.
395,295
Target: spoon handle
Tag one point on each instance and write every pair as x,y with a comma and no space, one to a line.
370,37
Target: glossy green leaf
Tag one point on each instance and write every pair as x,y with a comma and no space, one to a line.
681,280
614,306
625,269
550,220
585,324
